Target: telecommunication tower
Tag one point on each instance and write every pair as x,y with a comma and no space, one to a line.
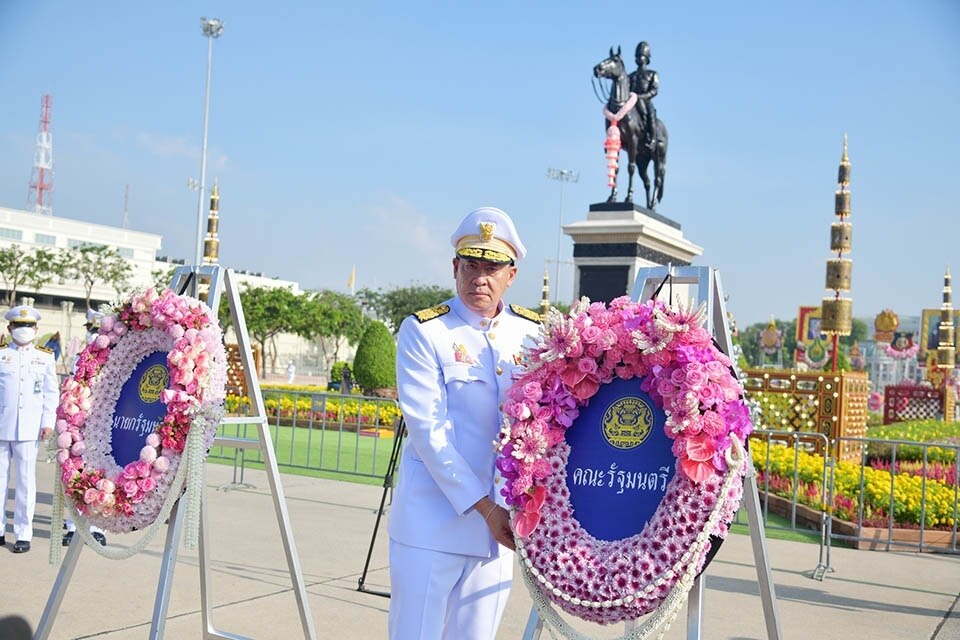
41,180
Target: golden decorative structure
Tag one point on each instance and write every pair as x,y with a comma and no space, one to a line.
837,312
211,243
884,325
834,405
545,296
946,351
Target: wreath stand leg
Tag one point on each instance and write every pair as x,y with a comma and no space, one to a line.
223,280
703,285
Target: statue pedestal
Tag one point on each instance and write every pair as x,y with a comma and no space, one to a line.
616,240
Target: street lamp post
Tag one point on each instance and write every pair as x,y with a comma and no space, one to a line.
563,175
212,28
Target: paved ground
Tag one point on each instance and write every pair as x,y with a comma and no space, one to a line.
870,594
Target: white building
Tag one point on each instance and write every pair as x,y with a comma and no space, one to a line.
61,303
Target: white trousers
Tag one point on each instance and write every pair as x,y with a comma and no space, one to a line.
71,525
24,456
445,596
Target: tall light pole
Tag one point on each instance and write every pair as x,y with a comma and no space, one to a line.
563,175
212,28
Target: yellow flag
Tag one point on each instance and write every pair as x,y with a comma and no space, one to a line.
353,278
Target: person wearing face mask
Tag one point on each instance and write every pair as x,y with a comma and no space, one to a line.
93,330
29,392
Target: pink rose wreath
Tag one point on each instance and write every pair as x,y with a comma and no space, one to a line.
126,498
706,417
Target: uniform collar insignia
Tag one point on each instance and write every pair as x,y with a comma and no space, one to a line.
431,313
523,312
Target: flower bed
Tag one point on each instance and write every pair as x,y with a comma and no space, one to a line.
334,412
875,498
927,431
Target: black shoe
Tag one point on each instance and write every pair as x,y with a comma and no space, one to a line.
99,537
21,546
67,538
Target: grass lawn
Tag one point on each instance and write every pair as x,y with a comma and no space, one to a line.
776,527
319,453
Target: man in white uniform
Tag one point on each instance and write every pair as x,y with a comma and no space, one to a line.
29,391
451,560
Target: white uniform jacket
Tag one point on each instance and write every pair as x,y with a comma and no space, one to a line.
29,392
453,371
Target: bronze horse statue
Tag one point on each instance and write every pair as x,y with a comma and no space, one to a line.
632,135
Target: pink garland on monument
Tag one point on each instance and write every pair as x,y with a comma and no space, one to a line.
901,354
124,499
613,144
686,375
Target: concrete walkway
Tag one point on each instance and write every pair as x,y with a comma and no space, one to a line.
871,594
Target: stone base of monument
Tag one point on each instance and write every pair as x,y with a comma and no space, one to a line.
616,240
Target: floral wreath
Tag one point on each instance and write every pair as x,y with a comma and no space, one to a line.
706,417
123,499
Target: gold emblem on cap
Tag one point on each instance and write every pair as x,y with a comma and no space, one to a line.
486,231
23,312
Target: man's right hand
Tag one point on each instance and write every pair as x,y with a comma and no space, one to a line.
498,520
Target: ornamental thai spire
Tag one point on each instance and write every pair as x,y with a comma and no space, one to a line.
837,312
211,243
946,351
545,295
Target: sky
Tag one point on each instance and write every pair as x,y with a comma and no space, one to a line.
360,133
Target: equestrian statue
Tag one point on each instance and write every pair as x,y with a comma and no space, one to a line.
631,123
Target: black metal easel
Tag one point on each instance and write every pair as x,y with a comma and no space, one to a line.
387,486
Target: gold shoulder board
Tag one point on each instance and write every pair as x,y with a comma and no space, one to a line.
44,349
523,312
433,312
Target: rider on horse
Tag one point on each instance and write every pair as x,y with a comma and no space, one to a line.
644,82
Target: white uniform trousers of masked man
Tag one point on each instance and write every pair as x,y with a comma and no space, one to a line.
24,456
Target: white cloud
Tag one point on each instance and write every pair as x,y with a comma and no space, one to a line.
164,145
403,231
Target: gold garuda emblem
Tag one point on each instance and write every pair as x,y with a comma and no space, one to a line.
486,231
627,422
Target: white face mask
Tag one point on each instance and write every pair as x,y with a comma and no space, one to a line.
23,335
92,337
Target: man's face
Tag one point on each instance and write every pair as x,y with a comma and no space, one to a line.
480,284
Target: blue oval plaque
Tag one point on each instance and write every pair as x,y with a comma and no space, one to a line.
139,409
620,461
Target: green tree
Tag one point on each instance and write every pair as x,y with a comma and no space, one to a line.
94,264
374,366
858,333
332,319
34,269
268,311
749,340
394,305
163,276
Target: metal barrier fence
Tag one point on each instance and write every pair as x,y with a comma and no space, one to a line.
329,433
920,478
323,432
